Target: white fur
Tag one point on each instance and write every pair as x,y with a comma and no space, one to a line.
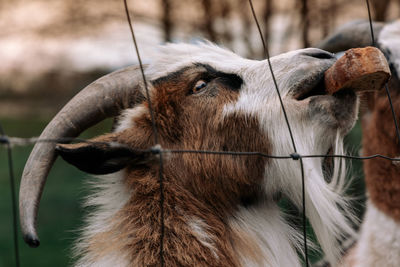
389,39
274,237
311,137
172,57
199,229
113,259
126,119
109,196
396,162
379,242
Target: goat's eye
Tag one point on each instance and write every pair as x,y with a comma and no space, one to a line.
198,87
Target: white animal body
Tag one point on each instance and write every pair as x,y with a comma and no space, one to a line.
378,242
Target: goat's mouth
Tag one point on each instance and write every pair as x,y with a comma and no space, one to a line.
313,87
311,84
337,111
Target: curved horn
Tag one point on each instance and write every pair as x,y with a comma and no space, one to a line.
351,35
99,100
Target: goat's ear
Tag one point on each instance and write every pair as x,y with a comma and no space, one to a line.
102,155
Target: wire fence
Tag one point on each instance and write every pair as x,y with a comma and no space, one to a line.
10,142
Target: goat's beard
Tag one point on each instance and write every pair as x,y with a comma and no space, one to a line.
333,209
329,211
326,206
338,179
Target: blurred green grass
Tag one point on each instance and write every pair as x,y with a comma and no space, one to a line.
60,214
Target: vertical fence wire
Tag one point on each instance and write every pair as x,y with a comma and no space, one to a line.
295,155
157,148
5,140
370,24
386,85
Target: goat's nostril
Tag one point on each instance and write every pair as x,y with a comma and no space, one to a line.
320,54
324,55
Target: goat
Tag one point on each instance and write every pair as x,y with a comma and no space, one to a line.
219,210
378,243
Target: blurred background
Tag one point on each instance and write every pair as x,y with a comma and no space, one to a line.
51,49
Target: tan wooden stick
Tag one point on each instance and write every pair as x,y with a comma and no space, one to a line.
360,69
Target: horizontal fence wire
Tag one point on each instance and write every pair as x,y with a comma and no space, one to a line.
18,141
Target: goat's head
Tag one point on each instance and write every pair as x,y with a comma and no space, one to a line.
207,98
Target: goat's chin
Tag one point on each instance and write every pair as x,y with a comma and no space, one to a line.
334,113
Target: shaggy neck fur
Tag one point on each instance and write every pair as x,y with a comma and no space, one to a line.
124,231
202,227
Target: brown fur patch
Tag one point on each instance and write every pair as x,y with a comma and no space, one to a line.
207,188
382,177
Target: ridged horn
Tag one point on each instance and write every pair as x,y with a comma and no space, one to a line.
105,97
351,35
